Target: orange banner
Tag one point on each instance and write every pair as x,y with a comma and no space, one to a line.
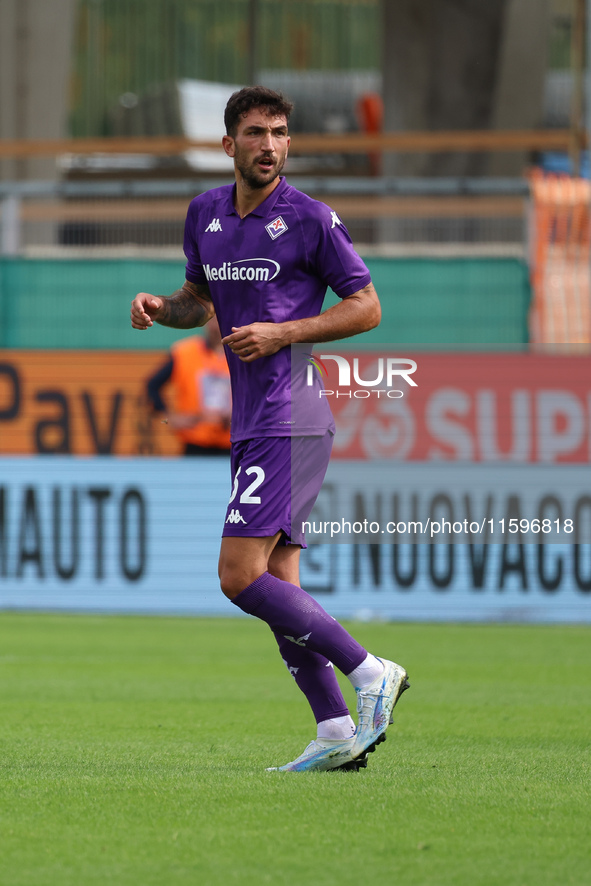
80,403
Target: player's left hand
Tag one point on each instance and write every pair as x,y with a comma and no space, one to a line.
256,340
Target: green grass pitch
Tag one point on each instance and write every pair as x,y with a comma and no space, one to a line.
133,751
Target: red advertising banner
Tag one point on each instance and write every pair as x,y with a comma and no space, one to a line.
461,407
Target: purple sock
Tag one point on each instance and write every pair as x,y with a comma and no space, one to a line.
316,678
291,612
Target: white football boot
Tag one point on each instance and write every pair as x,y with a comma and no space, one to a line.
323,754
375,704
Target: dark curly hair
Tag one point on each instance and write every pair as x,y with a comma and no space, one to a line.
241,102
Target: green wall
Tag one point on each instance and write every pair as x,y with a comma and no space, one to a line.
74,303
451,301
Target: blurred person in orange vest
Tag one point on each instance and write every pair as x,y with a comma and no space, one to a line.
198,372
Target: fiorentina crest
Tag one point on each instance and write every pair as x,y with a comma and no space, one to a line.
276,228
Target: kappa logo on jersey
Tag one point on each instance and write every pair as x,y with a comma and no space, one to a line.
257,269
335,219
214,225
235,517
276,228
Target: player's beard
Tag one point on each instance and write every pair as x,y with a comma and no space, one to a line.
252,175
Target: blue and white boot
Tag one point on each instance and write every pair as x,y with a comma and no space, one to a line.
375,704
323,754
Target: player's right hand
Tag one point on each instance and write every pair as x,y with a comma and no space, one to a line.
144,310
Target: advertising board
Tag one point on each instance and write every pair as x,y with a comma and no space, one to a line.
142,535
80,403
487,453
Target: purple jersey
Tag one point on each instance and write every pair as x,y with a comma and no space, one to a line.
272,266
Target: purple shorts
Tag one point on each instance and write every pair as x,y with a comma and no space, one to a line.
276,481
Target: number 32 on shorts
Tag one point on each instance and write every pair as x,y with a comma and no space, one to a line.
247,498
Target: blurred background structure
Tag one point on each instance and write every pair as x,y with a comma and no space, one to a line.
418,121
446,133
451,136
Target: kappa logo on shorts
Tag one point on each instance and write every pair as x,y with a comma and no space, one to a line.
235,517
214,225
276,228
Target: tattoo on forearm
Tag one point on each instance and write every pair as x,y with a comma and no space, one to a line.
187,307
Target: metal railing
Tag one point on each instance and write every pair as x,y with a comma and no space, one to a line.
309,143
384,214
